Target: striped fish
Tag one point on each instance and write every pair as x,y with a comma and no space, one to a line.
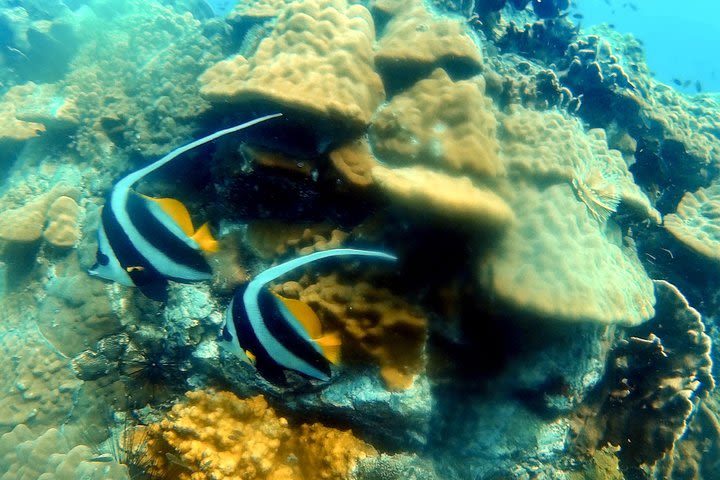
277,334
145,241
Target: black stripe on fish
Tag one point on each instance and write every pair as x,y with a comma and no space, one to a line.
143,275
158,235
283,333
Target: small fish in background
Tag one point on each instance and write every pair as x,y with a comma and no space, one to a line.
221,8
687,83
274,333
698,86
145,241
578,16
677,82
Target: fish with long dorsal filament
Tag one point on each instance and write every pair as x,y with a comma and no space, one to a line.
274,333
145,241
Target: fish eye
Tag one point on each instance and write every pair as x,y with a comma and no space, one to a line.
102,259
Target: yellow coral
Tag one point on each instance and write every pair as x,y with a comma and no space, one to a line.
218,436
62,216
12,129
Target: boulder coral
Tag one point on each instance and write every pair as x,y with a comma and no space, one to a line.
374,323
415,42
27,223
51,456
694,222
316,65
216,435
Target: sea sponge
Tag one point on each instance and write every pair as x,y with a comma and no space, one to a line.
416,41
695,222
443,198
556,261
654,379
216,435
317,64
26,223
375,324
439,123
63,222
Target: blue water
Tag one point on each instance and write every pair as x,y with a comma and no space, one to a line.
681,39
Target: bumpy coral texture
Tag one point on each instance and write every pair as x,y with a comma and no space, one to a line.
553,145
440,124
221,437
38,386
318,60
416,41
556,261
695,222
50,456
375,324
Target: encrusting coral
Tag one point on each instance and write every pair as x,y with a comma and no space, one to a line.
216,435
317,64
694,223
13,130
374,323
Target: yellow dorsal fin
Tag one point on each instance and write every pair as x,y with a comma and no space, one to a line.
204,238
330,345
304,314
177,211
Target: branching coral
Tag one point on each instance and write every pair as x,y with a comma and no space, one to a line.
216,435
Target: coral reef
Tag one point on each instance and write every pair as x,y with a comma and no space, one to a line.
694,223
50,456
374,324
655,378
218,435
415,42
316,65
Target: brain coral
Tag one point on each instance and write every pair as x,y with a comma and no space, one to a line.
695,222
317,62
219,436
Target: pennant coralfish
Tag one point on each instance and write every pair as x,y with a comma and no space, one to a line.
276,333
145,242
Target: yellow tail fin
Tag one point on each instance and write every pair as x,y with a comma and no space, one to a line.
330,345
204,238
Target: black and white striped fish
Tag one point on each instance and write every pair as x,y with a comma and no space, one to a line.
145,242
275,333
